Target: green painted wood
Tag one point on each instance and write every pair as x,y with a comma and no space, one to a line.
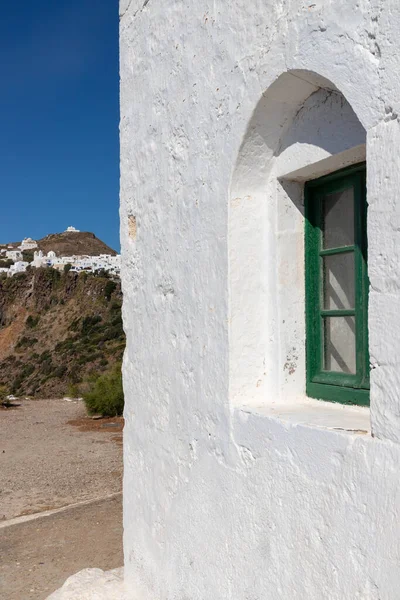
338,312
335,393
341,250
329,385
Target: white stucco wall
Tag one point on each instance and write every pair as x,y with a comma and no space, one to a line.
236,486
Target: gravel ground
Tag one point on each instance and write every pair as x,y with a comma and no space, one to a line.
51,455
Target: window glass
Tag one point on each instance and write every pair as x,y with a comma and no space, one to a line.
338,219
340,344
339,282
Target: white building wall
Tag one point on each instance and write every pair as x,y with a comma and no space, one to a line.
14,254
18,267
28,244
235,485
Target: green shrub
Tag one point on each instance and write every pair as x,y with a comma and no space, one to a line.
31,322
51,275
116,307
89,324
117,321
26,342
105,395
67,268
27,255
74,326
3,392
73,391
109,289
5,264
27,370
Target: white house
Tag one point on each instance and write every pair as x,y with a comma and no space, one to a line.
260,223
18,267
28,244
14,255
71,230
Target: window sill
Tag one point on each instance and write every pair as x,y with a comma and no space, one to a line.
317,413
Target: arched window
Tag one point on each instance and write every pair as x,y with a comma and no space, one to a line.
302,129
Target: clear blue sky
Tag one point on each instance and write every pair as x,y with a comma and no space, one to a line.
59,118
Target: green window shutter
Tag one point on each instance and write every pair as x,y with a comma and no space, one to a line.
337,287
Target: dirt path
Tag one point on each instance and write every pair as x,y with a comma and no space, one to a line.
51,456
37,556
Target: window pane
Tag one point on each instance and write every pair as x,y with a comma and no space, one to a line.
338,211
340,344
339,283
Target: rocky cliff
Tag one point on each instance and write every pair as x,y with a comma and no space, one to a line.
57,330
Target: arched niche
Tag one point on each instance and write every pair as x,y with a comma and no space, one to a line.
301,128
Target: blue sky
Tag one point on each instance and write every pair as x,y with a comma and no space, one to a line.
59,118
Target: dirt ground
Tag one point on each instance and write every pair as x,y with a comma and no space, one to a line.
52,456
38,556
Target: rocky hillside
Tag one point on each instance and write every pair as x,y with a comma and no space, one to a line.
70,243
57,330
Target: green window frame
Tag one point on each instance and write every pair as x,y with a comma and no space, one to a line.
324,315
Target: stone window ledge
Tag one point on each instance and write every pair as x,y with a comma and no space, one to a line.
316,413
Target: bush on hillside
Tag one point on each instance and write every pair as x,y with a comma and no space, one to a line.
109,289
5,264
31,321
105,395
25,342
27,255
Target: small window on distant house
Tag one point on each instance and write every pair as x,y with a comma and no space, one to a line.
337,287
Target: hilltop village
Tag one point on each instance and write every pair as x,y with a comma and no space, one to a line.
17,258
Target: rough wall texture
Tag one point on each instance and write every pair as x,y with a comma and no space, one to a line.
225,501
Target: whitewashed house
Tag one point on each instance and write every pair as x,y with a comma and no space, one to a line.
14,255
28,244
18,267
260,219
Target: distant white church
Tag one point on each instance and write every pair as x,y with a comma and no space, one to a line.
28,244
71,229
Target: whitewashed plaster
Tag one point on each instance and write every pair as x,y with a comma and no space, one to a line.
231,493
